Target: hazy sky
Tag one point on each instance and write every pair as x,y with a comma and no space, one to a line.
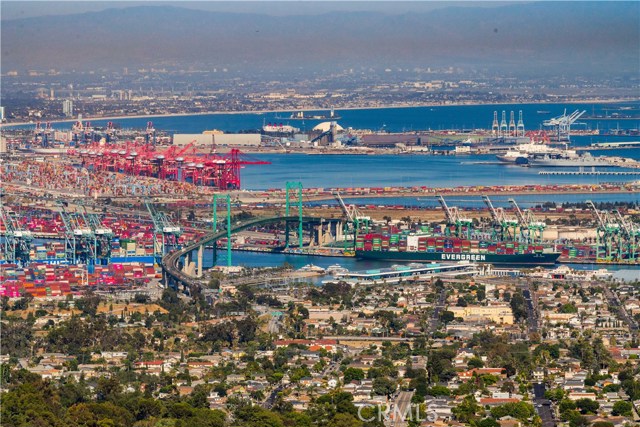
564,37
26,9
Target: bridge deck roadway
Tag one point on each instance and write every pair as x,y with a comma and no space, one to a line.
170,261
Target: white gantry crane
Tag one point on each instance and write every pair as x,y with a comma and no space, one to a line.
562,124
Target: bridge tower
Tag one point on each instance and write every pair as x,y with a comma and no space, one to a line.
296,187
227,199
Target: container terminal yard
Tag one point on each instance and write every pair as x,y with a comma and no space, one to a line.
96,211
52,242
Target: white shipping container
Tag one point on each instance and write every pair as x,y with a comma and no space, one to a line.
412,242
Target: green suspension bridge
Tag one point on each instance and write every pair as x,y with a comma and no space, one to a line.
184,267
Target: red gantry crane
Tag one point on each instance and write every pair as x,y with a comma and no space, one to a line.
174,164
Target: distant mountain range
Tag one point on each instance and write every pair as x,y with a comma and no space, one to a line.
548,37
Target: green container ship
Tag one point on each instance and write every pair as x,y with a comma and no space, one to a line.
418,247
490,258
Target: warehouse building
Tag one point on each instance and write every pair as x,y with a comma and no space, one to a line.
390,140
218,139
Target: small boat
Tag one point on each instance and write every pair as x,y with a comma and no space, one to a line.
336,268
312,268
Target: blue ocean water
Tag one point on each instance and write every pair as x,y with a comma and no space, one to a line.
400,170
395,119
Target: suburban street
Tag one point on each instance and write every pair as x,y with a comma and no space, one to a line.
543,406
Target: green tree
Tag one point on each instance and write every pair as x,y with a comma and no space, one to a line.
199,395
100,414
17,338
420,385
447,316
439,390
143,408
518,306
577,420
520,410
72,392
345,420
611,388
246,329
108,388
323,410
351,374
587,406
466,412
88,303
383,386
488,422
555,394
566,405
475,362
568,308
623,408
30,405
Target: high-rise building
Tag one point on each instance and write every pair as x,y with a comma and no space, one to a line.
1,114
67,108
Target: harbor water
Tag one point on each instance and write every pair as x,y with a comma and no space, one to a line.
254,259
401,170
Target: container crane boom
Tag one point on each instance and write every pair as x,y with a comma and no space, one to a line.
344,207
453,217
448,213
